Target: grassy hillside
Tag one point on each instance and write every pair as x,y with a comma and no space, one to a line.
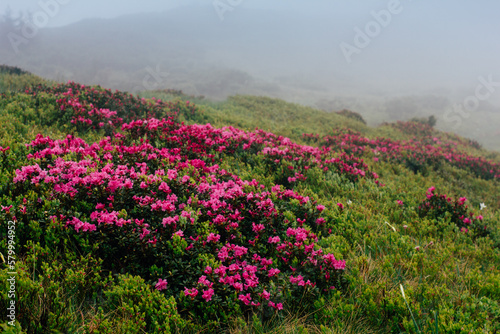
168,213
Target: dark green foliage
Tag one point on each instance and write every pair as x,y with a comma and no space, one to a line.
4,69
431,120
351,114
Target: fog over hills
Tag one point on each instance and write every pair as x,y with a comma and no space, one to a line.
414,62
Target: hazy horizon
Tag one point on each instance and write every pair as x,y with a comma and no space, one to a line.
317,53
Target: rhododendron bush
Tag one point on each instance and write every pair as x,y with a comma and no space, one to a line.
440,206
90,108
416,154
156,204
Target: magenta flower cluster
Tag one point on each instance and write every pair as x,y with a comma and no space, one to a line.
160,197
415,153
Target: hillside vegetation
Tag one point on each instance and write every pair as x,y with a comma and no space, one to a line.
167,213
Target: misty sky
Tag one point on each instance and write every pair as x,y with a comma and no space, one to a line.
425,45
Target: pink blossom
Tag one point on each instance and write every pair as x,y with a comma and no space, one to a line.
278,306
6,208
170,220
213,238
161,285
297,280
245,298
223,253
265,295
172,174
192,292
320,221
274,240
257,228
179,233
164,187
240,251
273,272
203,280
207,294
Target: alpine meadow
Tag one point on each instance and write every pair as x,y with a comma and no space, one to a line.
168,213
249,167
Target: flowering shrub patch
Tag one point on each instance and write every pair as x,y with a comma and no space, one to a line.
94,107
168,213
417,129
416,153
441,206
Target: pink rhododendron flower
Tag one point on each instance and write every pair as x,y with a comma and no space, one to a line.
273,272
278,306
265,295
257,228
207,294
297,280
164,187
161,285
213,238
192,292
172,174
6,208
274,240
320,221
245,298
203,280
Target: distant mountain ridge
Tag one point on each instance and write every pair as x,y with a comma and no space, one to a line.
251,51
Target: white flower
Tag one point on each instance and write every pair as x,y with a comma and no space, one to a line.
482,206
349,202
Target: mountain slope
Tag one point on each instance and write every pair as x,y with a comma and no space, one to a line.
128,220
